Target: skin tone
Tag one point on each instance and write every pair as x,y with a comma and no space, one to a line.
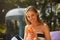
37,26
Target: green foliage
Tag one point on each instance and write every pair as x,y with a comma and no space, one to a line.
3,28
42,5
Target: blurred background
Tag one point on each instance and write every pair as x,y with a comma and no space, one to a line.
49,12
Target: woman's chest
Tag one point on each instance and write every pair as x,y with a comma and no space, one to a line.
38,29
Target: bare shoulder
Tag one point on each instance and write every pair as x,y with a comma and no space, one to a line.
27,26
45,26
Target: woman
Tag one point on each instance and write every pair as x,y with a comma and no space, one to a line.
35,28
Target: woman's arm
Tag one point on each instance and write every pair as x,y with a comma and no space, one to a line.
47,32
25,33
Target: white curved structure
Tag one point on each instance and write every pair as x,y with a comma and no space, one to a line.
15,12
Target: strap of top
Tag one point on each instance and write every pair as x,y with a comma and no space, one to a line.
41,35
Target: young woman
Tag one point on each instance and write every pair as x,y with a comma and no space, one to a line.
35,28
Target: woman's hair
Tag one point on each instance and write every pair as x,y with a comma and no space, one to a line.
31,8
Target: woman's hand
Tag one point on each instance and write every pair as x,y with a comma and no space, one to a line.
32,34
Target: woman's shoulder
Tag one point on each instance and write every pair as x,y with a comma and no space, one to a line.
27,26
45,26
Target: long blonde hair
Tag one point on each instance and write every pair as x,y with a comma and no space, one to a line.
31,8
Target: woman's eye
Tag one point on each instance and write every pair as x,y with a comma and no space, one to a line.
28,17
33,15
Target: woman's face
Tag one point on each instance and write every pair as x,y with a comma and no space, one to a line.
31,16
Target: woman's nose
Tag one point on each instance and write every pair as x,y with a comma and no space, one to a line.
31,18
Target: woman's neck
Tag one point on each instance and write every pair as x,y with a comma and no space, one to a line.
37,23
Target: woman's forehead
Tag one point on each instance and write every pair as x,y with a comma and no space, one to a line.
30,13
